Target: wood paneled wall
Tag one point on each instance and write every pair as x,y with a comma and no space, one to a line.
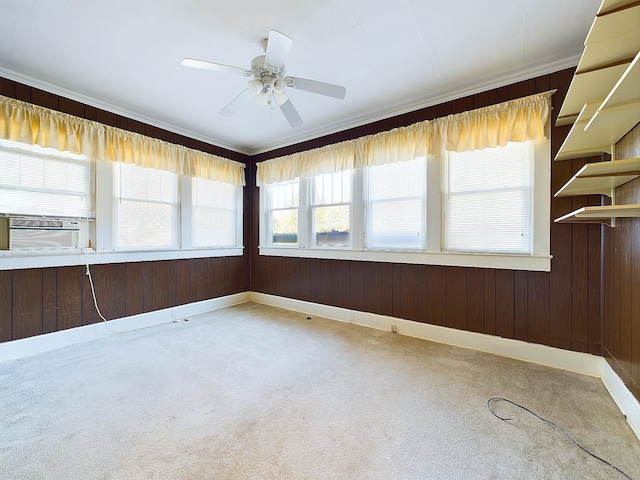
561,308
622,279
43,300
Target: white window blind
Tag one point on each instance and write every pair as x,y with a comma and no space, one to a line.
146,207
488,201
283,200
331,209
213,213
44,181
395,207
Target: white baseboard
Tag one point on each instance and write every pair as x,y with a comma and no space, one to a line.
582,363
62,338
577,362
627,403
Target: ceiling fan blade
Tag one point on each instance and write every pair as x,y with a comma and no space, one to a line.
216,67
236,104
322,88
289,111
278,46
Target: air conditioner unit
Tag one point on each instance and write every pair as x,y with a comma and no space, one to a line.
40,233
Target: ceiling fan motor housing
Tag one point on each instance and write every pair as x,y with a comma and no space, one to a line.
271,77
260,68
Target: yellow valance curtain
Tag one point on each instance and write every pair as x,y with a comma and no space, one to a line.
27,123
513,121
332,158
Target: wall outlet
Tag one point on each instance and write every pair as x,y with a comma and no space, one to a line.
173,314
394,329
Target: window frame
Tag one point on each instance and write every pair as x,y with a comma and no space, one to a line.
367,202
313,207
524,192
176,224
186,213
105,229
434,253
267,215
50,156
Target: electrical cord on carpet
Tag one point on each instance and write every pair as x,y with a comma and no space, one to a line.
506,419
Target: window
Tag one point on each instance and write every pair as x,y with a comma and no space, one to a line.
486,208
163,210
488,200
282,213
124,212
43,181
213,213
395,208
305,211
331,209
146,207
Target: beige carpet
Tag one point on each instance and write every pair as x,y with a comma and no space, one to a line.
253,392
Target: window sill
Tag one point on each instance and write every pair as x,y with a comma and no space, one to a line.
13,260
541,263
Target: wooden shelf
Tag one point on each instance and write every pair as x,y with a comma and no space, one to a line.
603,100
603,122
609,5
620,110
602,214
618,49
603,104
600,178
593,84
580,144
627,90
608,23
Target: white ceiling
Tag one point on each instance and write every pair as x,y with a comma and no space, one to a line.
392,56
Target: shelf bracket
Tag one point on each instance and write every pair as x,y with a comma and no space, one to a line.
613,190
613,202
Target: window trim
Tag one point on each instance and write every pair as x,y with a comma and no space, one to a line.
45,259
534,262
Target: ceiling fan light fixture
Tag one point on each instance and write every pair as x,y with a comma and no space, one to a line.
255,86
277,85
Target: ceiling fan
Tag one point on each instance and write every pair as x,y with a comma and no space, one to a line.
268,81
